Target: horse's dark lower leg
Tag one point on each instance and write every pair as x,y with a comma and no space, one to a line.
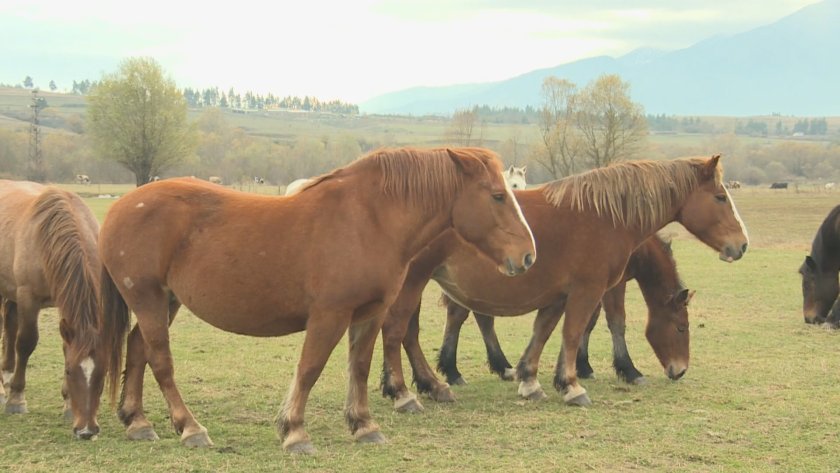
361,337
623,364
526,369
579,309
584,369
833,318
448,355
27,340
495,356
394,330
424,376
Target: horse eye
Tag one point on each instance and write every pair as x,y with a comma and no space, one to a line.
721,197
500,197
682,328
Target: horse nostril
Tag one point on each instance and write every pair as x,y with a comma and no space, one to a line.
86,433
529,260
744,248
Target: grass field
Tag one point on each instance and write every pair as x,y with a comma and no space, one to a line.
760,395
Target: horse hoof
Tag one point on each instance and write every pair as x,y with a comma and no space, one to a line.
372,437
199,439
443,394
459,381
411,406
145,432
508,375
16,408
537,395
301,448
579,400
639,381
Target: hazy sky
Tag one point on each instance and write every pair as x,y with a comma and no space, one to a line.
350,49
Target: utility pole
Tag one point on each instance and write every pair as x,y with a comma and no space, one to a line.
36,171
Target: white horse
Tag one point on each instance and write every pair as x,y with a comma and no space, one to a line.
215,179
83,179
515,177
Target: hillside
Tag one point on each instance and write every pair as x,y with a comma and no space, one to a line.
785,67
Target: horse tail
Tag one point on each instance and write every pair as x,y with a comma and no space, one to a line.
68,255
114,320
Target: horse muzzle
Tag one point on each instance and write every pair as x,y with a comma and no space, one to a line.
731,253
86,433
510,268
676,371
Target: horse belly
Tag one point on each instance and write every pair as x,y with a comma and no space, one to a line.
267,322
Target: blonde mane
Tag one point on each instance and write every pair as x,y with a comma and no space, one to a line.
632,194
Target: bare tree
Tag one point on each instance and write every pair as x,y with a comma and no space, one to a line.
560,144
461,127
612,126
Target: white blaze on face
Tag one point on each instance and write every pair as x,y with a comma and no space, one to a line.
737,215
87,366
519,212
128,282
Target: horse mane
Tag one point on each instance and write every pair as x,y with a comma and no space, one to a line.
827,241
426,178
73,285
633,193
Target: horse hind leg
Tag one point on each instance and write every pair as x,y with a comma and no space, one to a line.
616,316
584,368
424,376
394,333
8,312
578,313
496,358
448,354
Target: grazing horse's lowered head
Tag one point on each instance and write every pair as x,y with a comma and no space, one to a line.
819,272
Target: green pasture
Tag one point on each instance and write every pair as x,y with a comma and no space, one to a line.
760,394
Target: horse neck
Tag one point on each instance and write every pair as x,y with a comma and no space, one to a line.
656,274
825,248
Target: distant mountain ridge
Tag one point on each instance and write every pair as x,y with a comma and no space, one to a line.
786,67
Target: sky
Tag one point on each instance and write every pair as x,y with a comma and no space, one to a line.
350,50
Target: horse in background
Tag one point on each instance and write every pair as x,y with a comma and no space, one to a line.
733,184
83,179
48,257
820,288
215,180
515,177
218,250
585,226
652,265
258,180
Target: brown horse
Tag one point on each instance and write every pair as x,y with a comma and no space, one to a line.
820,287
329,258
48,257
652,265
586,226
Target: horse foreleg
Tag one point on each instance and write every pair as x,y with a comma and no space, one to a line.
8,311
27,339
584,369
394,331
833,319
579,309
323,332
448,354
616,319
424,375
130,410
496,358
361,339
526,369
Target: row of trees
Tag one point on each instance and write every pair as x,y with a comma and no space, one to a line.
213,97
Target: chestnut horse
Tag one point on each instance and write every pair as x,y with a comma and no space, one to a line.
820,274
586,226
329,258
48,257
652,265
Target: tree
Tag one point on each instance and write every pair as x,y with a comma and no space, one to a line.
138,118
27,82
560,142
612,125
461,128
53,86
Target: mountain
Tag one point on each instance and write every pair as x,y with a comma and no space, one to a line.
786,67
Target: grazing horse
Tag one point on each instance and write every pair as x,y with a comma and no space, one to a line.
779,185
48,257
585,226
820,274
82,179
215,180
270,265
515,176
652,265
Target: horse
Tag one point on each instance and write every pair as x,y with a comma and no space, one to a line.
652,265
819,272
82,179
258,180
515,176
215,180
48,257
586,226
779,185
733,184
272,265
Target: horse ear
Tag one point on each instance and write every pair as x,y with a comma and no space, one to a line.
66,331
710,168
467,164
684,296
524,168
510,169
810,263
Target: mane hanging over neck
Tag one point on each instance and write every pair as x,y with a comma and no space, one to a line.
633,194
420,177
